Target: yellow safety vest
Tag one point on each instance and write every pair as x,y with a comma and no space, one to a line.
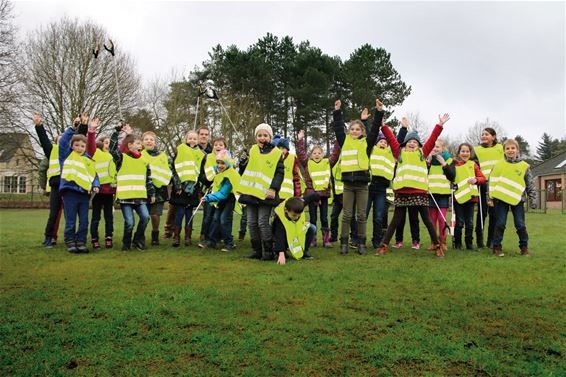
232,176
259,172
209,166
382,162
437,181
132,178
54,168
105,167
159,165
338,184
79,169
488,157
390,195
287,188
187,162
296,231
507,181
320,174
353,156
465,191
411,171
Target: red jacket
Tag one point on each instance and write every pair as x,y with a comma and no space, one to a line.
105,188
396,149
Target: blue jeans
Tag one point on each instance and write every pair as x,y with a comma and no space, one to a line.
377,200
128,213
501,210
222,223
464,218
75,203
182,211
207,216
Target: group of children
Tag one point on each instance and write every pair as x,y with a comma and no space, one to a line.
274,186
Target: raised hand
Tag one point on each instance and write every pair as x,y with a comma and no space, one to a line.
365,114
443,119
301,135
404,122
378,104
127,129
84,118
37,119
337,104
94,124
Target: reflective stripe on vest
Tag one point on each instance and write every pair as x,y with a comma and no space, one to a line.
353,156
132,178
209,165
320,174
259,172
507,181
488,157
382,163
79,169
437,181
287,188
54,168
231,175
159,167
465,191
338,184
188,162
411,171
295,231
105,167
389,195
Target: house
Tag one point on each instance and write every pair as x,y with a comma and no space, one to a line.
550,178
18,164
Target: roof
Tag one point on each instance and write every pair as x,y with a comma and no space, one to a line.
554,165
10,143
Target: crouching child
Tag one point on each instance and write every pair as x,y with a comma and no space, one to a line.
291,231
226,181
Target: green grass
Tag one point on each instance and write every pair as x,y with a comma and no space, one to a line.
191,312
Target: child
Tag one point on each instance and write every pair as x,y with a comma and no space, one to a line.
291,230
189,162
439,189
466,175
104,199
259,187
509,182
160,176
317,179
78,178
488,154
134,186
411,181
291,185
225,183
354,164
209,172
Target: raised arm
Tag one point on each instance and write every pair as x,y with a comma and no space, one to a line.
429,145
393,143
65,144
339,125
403,130
374,131
91,137
42,135
335,154
83,126
301,149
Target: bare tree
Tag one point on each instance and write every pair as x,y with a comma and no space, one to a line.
7,55
416,123
473,136
60,77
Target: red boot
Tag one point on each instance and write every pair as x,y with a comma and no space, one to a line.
326,239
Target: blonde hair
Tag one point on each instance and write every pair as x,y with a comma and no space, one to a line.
150,133
511,141
190,132
359,123
317,146
442,142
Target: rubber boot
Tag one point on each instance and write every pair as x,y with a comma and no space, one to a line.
176,236
362,246
343,245
154,237
188,235
268,251
256,247
326,239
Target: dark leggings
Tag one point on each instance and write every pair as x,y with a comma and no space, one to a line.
397,217
313,212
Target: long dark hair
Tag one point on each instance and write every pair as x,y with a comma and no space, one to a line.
492,132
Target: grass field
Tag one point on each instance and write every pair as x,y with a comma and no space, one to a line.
190,312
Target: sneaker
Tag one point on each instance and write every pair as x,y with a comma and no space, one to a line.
81,248
139,245
382,250
398,245
307,256
95,244
126,248
416,245
53,241
228,248
72,247
48,243
525,251
353,245
108,243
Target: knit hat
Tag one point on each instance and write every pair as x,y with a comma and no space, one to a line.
412,135
264,127
225,156
380,136
280,141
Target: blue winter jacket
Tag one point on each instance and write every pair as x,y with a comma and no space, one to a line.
222,194
64,152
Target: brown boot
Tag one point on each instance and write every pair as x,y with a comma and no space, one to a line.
176,236
439,250
525,251
444,246
431,247
382,250
188,235
498,251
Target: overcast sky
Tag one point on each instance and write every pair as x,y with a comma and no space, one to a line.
502,60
